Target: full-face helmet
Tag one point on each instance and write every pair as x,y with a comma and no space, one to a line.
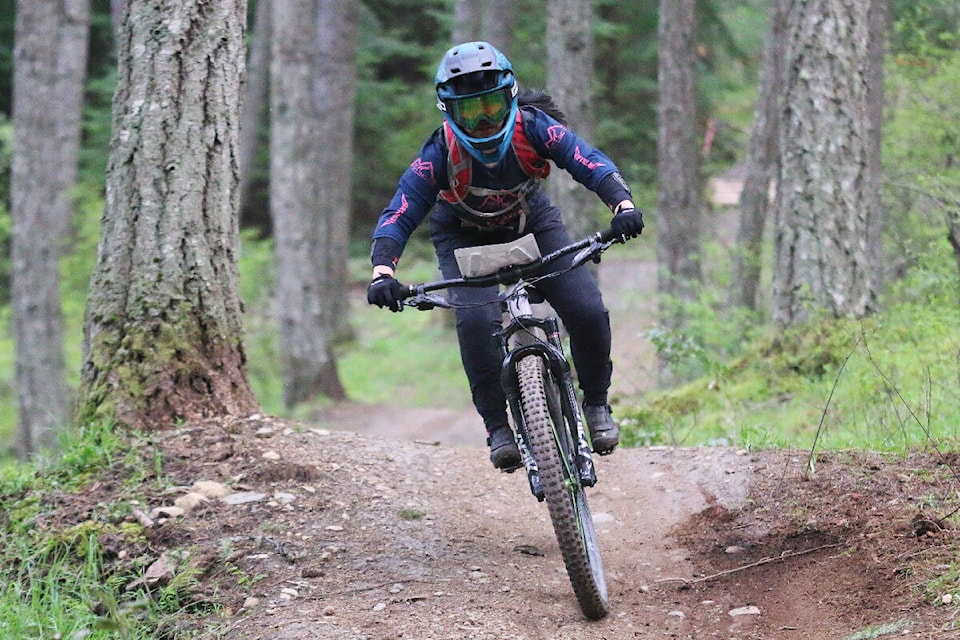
477,91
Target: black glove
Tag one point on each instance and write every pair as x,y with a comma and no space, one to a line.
628,223
384,291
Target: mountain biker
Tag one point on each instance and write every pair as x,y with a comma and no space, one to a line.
479,173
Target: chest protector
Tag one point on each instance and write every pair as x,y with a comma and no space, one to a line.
491,207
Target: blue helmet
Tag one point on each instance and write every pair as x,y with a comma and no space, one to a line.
477,91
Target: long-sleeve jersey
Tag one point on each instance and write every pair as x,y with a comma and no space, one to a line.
428,175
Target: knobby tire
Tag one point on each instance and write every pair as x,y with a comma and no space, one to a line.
565,496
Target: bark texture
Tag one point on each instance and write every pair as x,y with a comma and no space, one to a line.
763,161
467,21
499,18
312,98
569,74
828,199
163,324
49,68
678,175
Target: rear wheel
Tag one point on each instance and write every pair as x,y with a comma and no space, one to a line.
554,451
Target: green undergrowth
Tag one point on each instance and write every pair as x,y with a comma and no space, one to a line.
886,383
58,577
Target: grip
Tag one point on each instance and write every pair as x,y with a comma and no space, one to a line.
609,234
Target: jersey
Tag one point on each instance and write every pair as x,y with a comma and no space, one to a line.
505,202
422,183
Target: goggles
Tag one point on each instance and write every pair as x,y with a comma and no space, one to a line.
469,112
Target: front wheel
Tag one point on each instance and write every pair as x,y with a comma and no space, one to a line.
555,452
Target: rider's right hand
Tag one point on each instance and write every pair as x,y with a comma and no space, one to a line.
384,291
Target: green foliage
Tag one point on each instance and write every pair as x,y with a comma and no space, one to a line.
389,347
887,383
54,579
261,335
925,30
7,13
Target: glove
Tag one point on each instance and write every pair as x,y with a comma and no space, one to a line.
384,291
628,223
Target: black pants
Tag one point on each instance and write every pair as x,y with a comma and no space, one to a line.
575,297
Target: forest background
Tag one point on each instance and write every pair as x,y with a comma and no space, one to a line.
400,43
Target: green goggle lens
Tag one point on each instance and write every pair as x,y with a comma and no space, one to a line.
469,112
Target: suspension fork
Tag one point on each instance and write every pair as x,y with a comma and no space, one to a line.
552,354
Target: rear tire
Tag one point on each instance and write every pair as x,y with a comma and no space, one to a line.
554,451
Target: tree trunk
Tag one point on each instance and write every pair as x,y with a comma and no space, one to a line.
878,30
254,194
827,198
679,201
499,18
313,84
49,70
117,7
467,21
569,61
163,333
762,163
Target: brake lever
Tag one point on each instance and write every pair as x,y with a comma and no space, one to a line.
427,301
592,252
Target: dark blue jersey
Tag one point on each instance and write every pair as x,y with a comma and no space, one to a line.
428,175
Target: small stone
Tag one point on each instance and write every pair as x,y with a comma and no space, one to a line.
380,606
168,512
744,611
289,592
243,497
190,501
677,614
271,455
251,603
211,489
947,598
397,588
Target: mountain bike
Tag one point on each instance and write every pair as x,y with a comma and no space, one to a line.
536,376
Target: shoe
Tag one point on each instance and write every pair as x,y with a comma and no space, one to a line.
504,453
604,432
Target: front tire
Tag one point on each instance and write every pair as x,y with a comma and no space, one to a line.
554,451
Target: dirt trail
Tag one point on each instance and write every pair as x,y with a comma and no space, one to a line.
423,539
389,522
367,538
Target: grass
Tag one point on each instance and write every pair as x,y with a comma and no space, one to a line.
54,582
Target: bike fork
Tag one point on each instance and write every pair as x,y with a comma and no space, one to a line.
533,473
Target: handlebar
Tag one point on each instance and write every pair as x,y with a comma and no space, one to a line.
590,248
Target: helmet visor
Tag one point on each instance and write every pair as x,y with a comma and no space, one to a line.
470,112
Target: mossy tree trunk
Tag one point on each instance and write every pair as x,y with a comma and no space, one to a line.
163,339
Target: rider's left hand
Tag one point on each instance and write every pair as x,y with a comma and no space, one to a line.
628,223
